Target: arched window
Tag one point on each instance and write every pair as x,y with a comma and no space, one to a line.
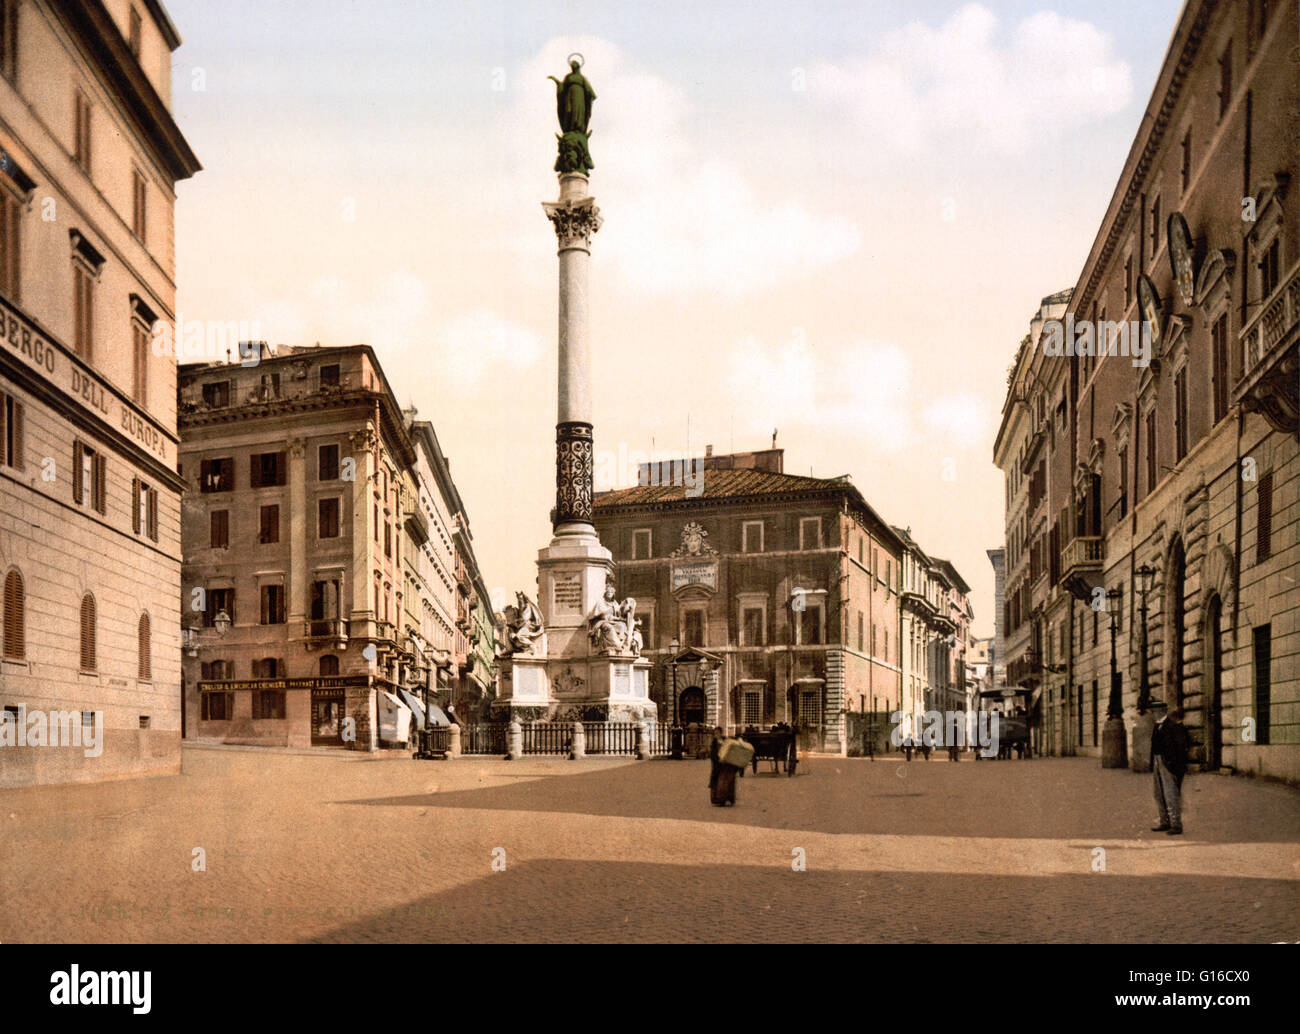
88,633
145,673
15,635
329,664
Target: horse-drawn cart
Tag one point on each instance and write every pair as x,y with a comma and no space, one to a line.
780,745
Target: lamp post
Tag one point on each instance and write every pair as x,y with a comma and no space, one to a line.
1143,577
674,648
1114,738
1140,756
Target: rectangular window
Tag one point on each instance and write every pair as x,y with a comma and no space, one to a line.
83,309
11,432
1123,481
329,376
219,527
216,394
861,627
1152,469
1220,367
273,604
217,475
388,539
328,463
325,600
144,516
1225,80
328,523
134,32
642,541
267,469
139,200
1155,228
218,601
752,626
753,707
140,363
1269,271
88,478
218,707
268,704
9,38
810,533
81,132
751,537
1180,415
811,624
14,187
693,628
810,707
1263,643
269,525
1264,519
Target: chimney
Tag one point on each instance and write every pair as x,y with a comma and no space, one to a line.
708,450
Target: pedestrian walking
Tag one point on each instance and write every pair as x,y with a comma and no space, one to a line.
908,746
722,775
1171,746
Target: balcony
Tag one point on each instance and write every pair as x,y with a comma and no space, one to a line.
417,526
1270,384
1081,565
330,631
1025,670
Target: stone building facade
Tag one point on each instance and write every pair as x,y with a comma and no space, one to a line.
320,552
782,592
90,546
1186,467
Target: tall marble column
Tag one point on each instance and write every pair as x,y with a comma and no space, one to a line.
576,219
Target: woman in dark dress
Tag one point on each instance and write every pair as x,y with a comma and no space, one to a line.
722,777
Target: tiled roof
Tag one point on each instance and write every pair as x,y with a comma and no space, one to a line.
719,484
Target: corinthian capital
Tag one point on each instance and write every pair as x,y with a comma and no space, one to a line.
575,221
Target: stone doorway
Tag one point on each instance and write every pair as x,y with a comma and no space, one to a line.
692,706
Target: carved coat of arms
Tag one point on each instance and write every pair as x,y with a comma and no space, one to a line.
694,542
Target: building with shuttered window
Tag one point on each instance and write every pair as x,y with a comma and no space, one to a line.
89,495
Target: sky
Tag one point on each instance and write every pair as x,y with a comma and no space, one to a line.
828,220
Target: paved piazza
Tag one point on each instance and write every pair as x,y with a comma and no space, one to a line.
343,848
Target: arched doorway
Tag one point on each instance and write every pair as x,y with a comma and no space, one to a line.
691,705
1214,683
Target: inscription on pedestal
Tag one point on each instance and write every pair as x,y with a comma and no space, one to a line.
568,592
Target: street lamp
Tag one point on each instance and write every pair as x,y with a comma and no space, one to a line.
1114,739
1143,578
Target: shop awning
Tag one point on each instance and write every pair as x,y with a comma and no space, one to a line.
413,702
437,716
394,717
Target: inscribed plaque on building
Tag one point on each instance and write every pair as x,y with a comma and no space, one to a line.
704,573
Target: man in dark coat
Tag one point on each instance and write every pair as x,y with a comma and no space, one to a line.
1171,746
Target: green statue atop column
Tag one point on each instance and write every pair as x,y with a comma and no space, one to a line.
573,100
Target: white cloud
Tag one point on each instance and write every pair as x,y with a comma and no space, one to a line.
482,343
1050,76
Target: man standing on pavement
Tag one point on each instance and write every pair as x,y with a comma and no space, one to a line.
1170,747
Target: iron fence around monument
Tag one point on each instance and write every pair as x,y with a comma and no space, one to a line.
483,738
547,737
611,737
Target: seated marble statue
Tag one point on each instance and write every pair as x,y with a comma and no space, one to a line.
524,624
611,625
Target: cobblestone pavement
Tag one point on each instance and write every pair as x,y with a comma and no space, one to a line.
308,847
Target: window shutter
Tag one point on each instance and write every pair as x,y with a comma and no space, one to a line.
77,487
18,435
145,665
87,633
101,495
135,505
281,468
1264,520
14,637
153,514
254,471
